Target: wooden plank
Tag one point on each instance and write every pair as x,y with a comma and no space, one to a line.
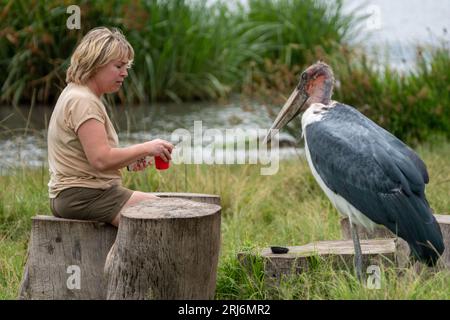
340,253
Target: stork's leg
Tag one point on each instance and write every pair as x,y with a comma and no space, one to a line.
358,252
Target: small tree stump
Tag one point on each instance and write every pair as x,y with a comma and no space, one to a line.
340,253
199,197
381,232
165,249
444,223
66,258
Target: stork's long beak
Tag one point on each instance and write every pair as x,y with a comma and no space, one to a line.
292,107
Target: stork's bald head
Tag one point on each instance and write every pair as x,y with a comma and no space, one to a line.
315,85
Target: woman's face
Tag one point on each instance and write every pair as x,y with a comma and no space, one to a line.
110,77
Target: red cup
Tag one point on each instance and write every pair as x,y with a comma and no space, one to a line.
160,164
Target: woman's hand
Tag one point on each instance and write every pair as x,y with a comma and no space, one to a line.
143,163
159,147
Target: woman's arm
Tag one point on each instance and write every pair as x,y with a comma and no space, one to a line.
102,157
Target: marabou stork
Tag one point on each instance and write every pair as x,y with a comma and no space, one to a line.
368,174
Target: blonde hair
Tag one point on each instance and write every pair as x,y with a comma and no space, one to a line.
97,48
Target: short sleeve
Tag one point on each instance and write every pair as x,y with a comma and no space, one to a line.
82,109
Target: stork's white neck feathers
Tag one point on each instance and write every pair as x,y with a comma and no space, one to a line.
315,112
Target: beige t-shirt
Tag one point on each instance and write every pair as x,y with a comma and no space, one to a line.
68,164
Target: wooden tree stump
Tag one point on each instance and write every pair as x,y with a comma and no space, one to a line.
444,223
165,249
199,197
340,253
381,232
66,258
61,250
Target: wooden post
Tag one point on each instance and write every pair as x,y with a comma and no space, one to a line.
165,249
66,258
381,232
444,223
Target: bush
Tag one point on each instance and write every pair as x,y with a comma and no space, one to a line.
185,50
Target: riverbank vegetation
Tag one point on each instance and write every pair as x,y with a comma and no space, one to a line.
190,50
184,49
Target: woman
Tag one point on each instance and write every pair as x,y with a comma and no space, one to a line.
83,153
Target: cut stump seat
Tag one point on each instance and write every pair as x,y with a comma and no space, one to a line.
165,249
381,232
58,246
340,253
444,223
378,247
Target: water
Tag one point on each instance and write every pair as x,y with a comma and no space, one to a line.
21,146
404,21
395,28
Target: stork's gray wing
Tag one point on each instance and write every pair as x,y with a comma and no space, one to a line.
377,173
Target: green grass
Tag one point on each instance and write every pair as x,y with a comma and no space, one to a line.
258,211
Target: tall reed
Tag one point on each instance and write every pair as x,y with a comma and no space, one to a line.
184,49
